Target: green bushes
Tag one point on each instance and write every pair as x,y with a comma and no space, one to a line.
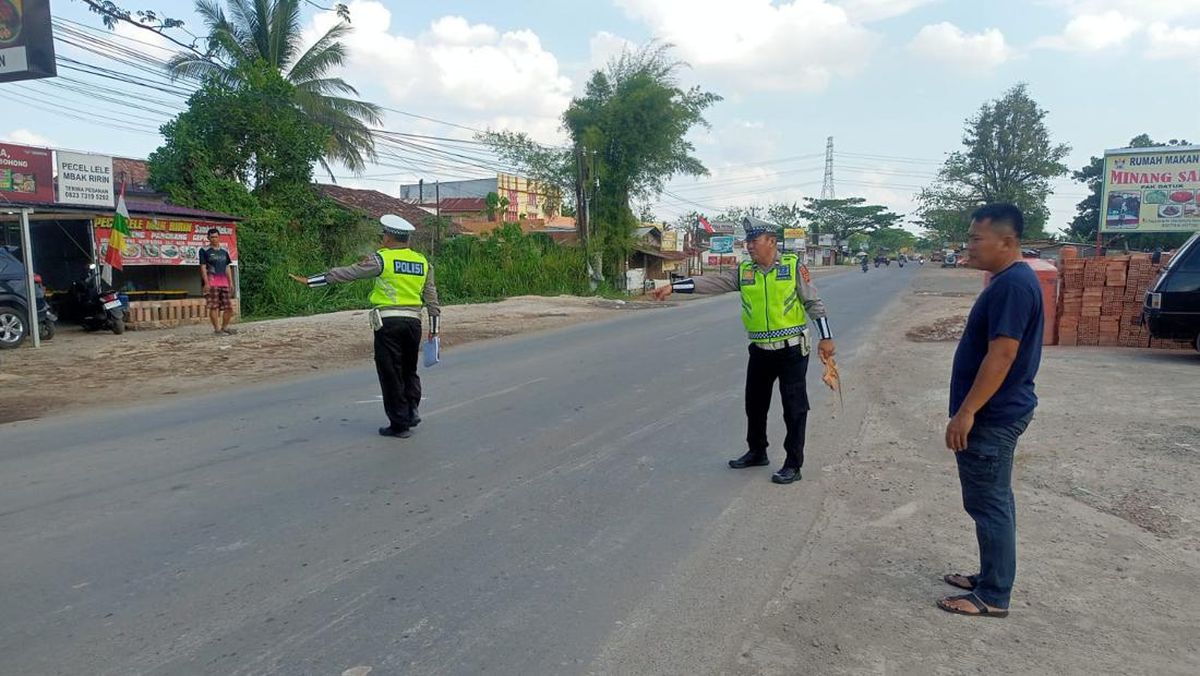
507,263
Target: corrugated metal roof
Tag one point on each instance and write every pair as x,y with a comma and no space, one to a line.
163,209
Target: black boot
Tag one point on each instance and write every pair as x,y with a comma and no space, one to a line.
786,475
390,431
750,459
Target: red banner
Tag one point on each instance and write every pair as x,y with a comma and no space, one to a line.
166,242
26,174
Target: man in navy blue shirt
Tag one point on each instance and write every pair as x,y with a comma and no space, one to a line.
991,403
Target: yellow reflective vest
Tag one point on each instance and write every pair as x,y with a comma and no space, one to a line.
402,280
771,306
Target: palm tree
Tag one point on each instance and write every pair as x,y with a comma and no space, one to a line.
269,30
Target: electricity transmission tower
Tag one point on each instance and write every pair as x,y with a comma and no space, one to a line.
827,187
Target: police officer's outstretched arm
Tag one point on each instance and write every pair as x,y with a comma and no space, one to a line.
369,266
814,307
721,283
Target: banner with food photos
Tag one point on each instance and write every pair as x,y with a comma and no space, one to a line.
1151,190
166,242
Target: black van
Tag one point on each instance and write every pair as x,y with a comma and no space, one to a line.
1172,307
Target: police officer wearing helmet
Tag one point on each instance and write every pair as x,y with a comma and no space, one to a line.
780,307
403,285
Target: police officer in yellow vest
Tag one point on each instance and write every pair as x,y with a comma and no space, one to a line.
779,308
403,284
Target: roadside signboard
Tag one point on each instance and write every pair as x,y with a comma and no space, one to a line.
86,180
26,40
1151,190
26,174
166,242
720,245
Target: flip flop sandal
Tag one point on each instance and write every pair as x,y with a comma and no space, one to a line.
972,580
980,607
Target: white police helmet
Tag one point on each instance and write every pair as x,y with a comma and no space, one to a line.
395,225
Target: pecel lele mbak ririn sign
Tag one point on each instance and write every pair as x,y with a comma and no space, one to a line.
26,40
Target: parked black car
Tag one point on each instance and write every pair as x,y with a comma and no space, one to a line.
14,303
1172,306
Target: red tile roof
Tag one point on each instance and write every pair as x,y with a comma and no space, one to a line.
374,203
134,173
464,205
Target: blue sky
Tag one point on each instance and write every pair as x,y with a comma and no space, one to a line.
892,79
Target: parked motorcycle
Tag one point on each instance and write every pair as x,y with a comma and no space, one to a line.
97,305
46,316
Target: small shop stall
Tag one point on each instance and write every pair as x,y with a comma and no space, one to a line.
56,212
161,276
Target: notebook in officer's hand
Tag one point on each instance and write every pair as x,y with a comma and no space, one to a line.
432,348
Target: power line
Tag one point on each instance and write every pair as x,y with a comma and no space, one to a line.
895,158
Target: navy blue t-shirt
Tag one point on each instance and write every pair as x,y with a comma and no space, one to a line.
1011,306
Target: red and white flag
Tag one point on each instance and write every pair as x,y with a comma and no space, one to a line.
705,224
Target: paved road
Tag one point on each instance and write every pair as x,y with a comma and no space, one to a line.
564,508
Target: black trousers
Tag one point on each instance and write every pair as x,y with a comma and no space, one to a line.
790,368
396,347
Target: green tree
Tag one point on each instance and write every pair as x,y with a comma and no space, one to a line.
784,214
1087,212
891,239
1008,157
553,168
628,134
248,133
496,206
270,31
844,218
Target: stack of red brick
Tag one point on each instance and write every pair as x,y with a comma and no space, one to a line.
1100,301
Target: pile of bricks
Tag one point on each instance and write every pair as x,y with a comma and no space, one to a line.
165,314
1100,301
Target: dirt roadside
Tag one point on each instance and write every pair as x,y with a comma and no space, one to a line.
67,372
1108,524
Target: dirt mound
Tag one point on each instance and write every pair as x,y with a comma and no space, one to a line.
942,330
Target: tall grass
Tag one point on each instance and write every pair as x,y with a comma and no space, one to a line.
503,264
507,263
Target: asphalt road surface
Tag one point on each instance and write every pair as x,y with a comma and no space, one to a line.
564,508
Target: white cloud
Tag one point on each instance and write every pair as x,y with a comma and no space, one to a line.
947,44
1095,25
605,46
755,44
1166,42
26,137
1093,32
1142,10
876,10
473,73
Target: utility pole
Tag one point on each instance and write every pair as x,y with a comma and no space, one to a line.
585,172
34,329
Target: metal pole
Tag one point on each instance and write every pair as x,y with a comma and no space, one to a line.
30,289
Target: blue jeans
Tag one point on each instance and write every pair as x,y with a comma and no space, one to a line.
985,472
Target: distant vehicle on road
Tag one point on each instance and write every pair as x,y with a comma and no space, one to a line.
949,260
1171,309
